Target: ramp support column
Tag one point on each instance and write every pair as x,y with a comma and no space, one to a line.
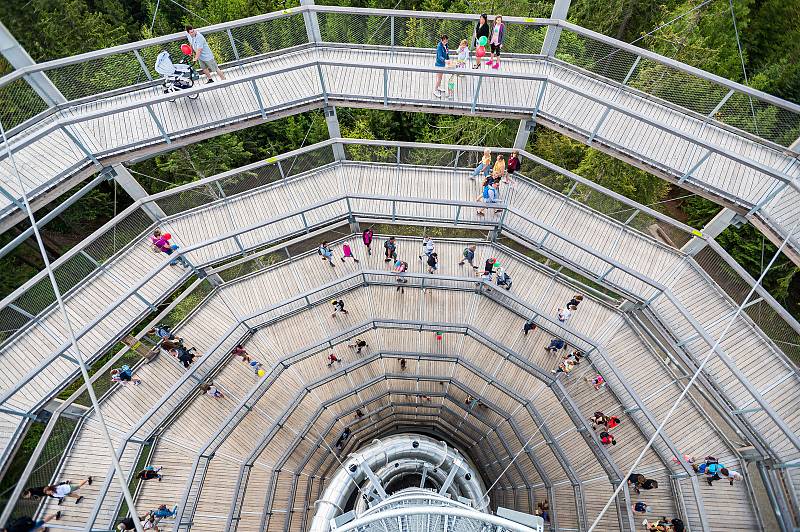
334,132
16,55
560,9
712,229
135,190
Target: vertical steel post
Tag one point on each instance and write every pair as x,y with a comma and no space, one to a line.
551,38
134,189
312,22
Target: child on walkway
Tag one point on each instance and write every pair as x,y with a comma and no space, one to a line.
333,358
390,249
484,166
213,391
124,375
469,256
326,253
347,253
400,269
496,42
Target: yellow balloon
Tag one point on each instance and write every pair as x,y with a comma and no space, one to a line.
261,373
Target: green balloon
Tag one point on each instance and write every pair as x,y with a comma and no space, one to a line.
483,40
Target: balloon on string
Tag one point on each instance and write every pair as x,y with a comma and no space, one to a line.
166,236
480,51
186,49
483,40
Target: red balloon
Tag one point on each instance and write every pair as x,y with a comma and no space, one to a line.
186,49
480,51
166,236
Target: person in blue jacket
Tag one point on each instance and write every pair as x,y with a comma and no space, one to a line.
441,61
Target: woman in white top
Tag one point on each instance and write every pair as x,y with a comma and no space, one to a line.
60,491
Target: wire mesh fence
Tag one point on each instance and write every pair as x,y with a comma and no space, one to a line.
775,327
43,471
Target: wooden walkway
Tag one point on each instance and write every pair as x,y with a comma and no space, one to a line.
303,463
28,351
121,125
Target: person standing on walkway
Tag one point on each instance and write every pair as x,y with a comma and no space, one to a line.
469,256
556,345
488,196
484,166
402,362
326,253
496,42
441,61
433,263
575,301
641,508
607,439
529,326
366,237
28,524
481,30
427,248
203,54
342,438
513,164
338,307
149,473
390,249
564,315
332,358
359,344
163,512
400,268
63,490
347,253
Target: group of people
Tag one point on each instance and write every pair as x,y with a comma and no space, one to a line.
484,34
173,345
160,243
241,353
712,469
604,423
493,175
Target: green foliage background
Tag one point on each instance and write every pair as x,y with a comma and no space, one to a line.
705,38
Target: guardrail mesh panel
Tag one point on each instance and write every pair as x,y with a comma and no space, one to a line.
760,118
19,102
600,58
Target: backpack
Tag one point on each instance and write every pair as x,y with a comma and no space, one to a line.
126,370
466,252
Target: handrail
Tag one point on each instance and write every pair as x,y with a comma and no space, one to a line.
608,102
738,87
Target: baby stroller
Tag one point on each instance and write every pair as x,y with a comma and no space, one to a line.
177,76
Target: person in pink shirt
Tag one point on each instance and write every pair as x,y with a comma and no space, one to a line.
496,42
347,252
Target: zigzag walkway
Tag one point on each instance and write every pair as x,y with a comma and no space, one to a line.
202,416
579,224
675,143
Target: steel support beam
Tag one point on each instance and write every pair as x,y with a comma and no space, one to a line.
523,133
134,189
712,229
312,23
19,58
551,38
334,132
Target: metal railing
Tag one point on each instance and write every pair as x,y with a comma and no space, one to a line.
590,262
646,74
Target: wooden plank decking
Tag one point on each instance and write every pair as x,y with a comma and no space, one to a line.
53,158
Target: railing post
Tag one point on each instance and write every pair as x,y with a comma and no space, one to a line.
551,38
391,29
312,22
334,132
16,55
475,96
